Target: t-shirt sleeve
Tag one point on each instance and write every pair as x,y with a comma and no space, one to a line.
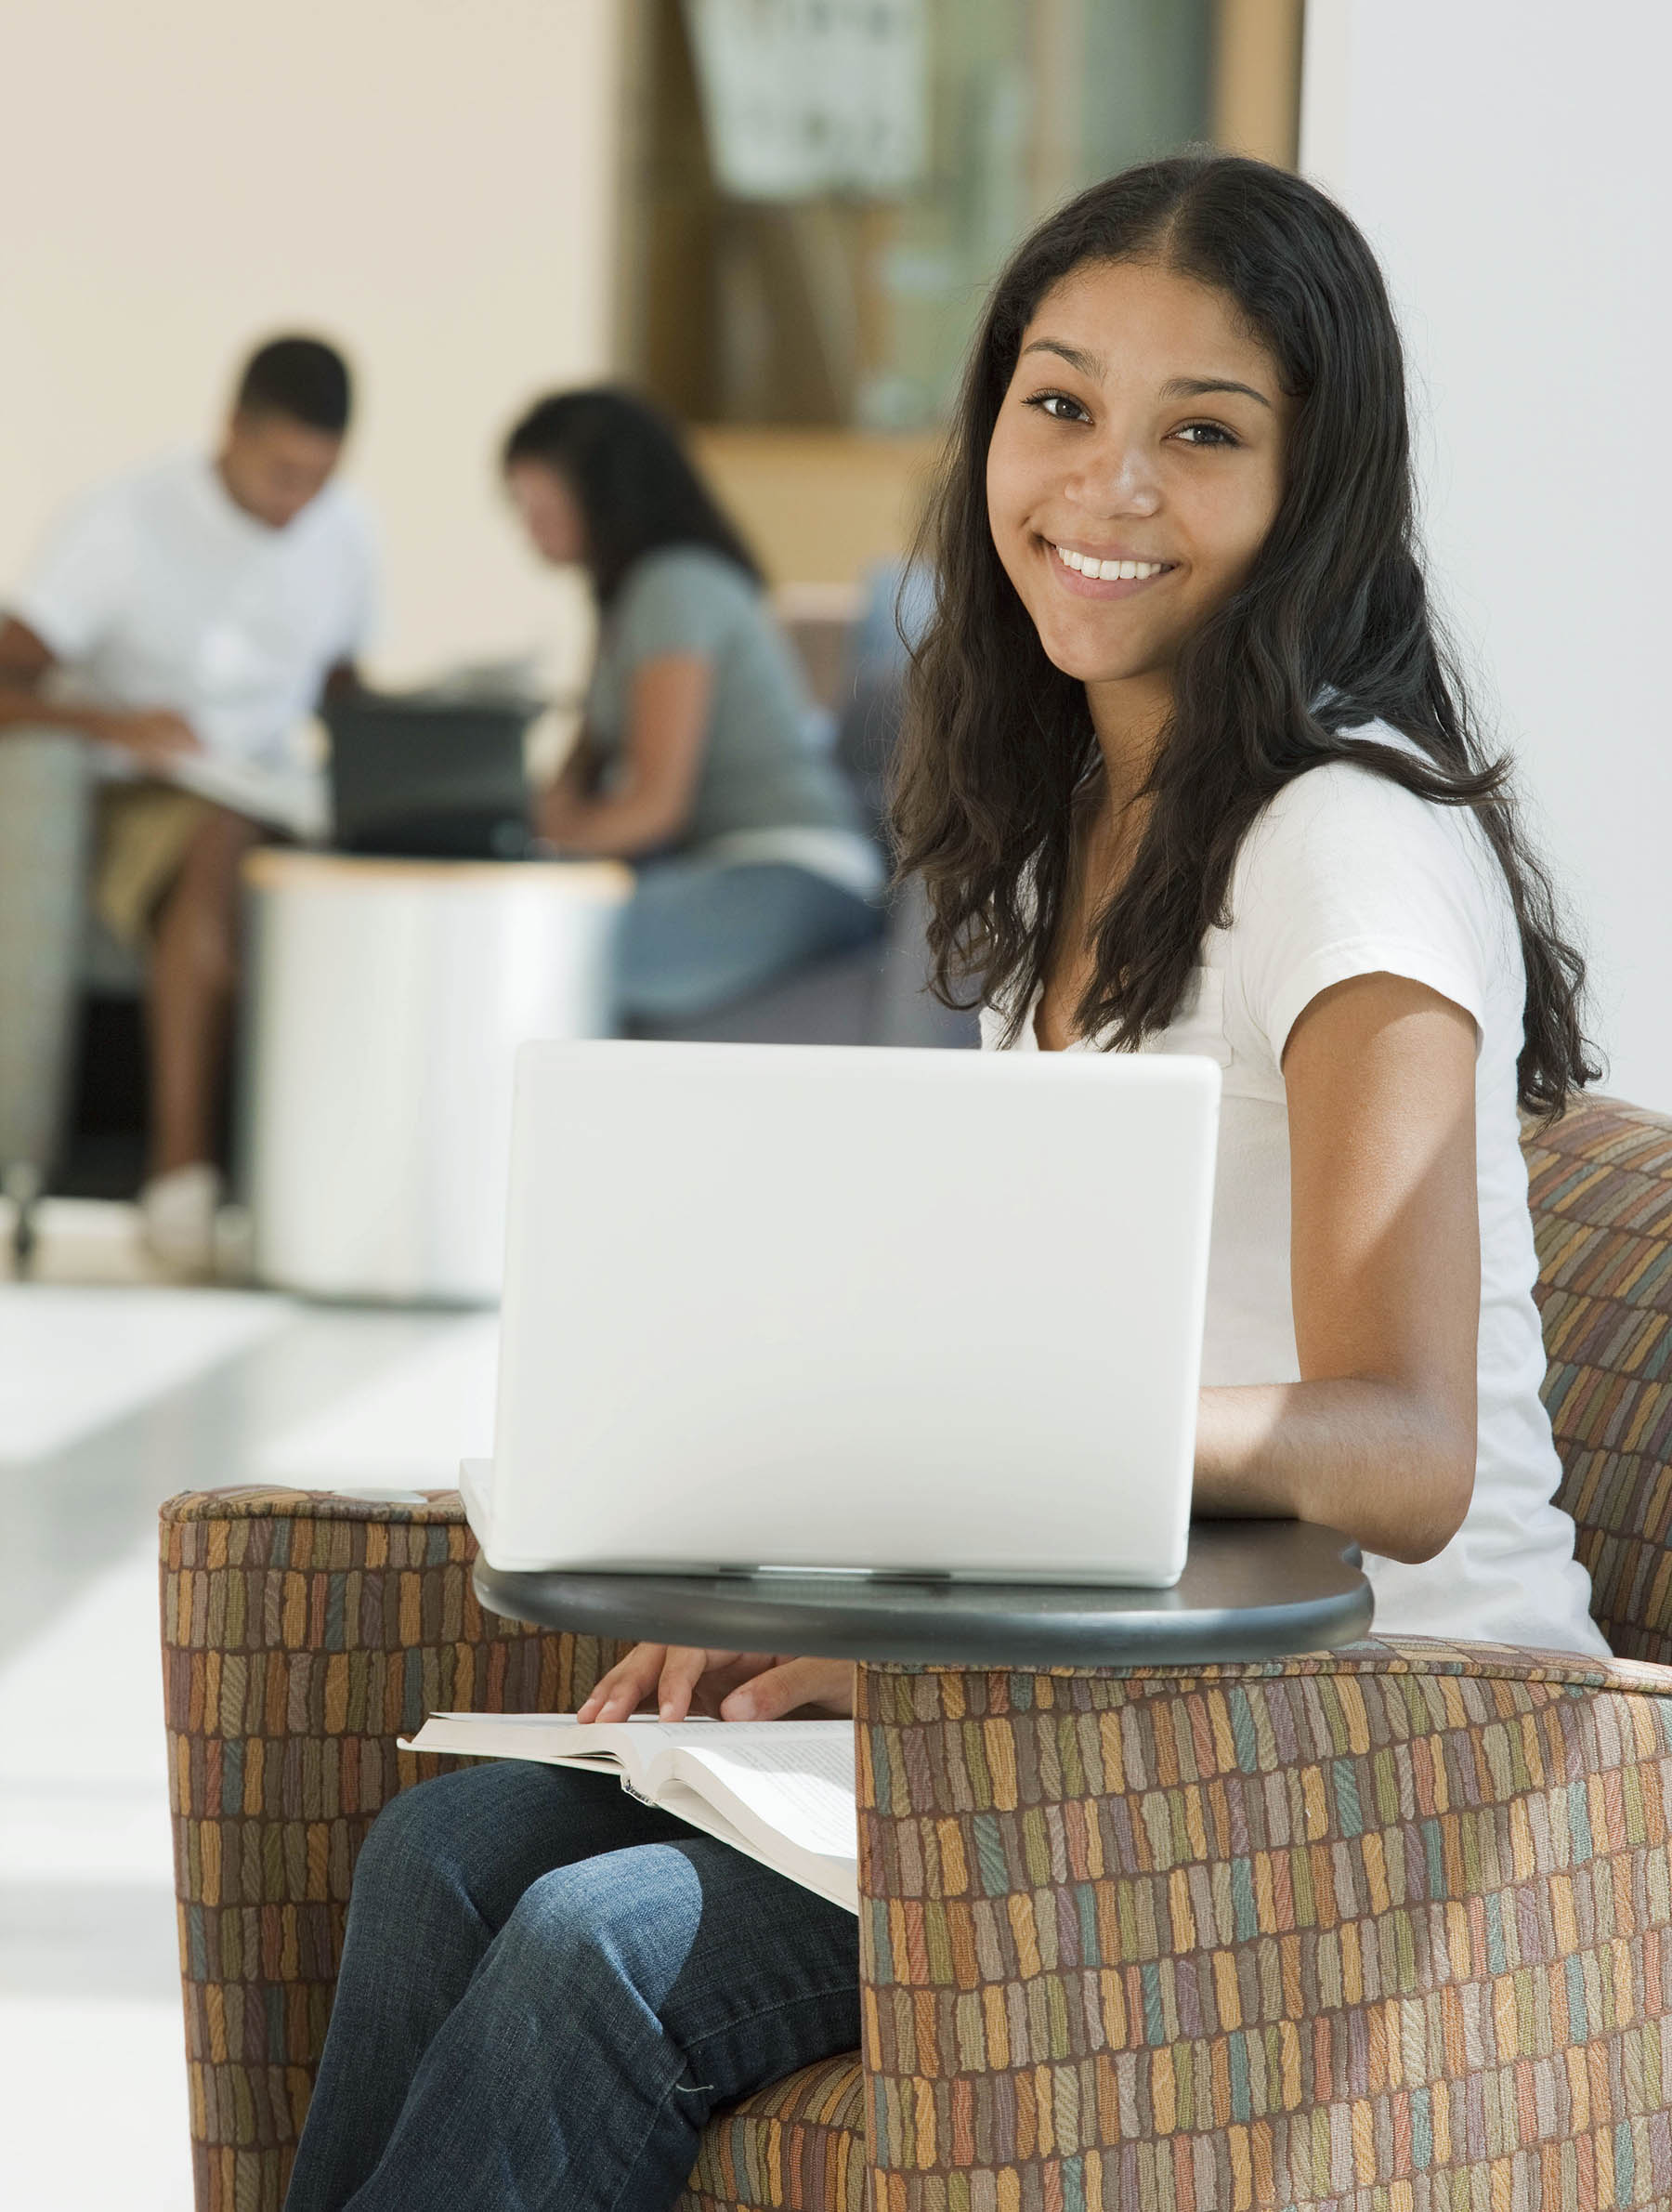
79,579
1347,873
677,603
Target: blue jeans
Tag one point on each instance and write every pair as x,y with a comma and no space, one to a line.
699,934
546,1989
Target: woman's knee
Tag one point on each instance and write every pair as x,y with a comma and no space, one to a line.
410,1836
624,1920
440,1833
474,1842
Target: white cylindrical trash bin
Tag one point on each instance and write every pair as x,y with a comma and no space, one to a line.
386,1003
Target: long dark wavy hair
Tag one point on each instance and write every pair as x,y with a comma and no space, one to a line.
636,487
1334,608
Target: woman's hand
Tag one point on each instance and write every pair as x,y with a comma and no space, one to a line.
679,1678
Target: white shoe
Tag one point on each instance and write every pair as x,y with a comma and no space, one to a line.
176,1215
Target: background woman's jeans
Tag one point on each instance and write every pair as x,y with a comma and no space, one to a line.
547,1988
700,933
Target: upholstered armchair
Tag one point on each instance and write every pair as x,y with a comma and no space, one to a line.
1386,1930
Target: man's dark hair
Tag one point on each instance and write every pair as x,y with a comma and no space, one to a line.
630,476
301,377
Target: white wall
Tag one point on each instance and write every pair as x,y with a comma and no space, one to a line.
430,181
1511,161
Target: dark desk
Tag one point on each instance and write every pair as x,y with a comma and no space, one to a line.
1253,1589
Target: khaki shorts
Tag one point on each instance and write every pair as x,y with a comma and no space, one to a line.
140,835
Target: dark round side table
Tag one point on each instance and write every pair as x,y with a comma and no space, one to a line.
1252,1589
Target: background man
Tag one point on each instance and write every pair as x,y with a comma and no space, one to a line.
200,604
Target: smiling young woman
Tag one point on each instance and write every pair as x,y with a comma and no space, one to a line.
1186,770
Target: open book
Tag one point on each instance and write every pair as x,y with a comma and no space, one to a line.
782,1791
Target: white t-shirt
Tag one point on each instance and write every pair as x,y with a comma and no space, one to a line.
1346,874
159,591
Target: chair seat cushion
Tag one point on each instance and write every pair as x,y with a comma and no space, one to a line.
799,2145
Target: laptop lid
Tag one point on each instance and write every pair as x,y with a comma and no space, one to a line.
812,1307
429,780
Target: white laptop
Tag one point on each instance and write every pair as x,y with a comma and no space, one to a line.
809,1307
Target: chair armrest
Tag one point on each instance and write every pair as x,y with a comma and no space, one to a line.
302,1633
1269,1934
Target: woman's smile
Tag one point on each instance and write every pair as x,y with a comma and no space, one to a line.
1109,573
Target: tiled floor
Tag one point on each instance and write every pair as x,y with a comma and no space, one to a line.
113,1393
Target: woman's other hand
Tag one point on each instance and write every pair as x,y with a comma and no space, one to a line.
679,1678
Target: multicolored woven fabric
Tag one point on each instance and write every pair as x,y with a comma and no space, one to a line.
301,1635
1382,1933
799,2146
1601,1190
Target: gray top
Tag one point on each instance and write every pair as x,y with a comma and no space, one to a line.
759,769
1250,1589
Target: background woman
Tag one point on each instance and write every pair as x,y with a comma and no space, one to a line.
1187,772
694,761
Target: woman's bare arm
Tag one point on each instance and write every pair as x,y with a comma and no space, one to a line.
1379,1437
667,727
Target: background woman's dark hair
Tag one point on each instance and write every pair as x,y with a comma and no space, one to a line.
998,739
630,476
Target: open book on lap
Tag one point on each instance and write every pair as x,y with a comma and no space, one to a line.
780,1791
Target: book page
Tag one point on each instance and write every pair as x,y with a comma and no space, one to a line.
780,1791
834,1880
626,1748
548,1737
802,1769
796,1775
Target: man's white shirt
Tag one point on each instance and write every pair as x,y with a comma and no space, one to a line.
159,591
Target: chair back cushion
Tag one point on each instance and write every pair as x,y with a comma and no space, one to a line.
1600,1183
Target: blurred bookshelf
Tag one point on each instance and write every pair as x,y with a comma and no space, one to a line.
816,195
